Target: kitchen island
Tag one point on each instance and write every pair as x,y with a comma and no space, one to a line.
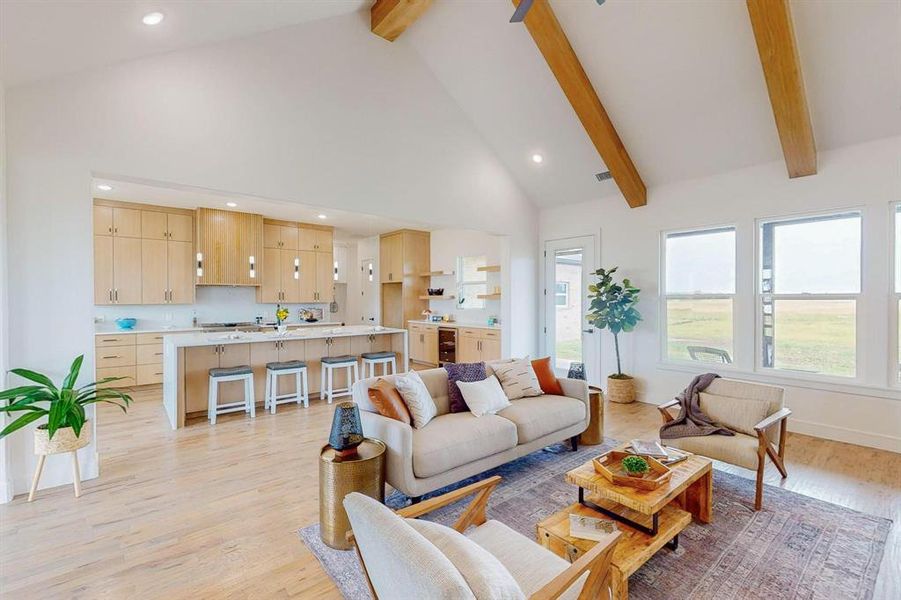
188,357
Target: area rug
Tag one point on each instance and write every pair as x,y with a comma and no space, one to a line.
796,547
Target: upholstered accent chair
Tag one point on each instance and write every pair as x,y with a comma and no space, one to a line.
404,557
752,411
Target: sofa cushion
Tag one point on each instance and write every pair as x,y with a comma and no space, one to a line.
388,402
456,439
530,564
738,414
738,449
461,372
400,562
483,397
518,379
541,415
417,398
547,379
486,576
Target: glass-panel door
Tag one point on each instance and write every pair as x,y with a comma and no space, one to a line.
571,343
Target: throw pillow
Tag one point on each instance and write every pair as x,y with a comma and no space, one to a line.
483,397
485,575
546,377
388,401
417,398
461,372
518,379
738,414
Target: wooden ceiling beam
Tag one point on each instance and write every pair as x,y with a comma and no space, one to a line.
775,36
553,44
390,18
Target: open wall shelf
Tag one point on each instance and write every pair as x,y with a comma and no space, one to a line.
436,273
489,296
490,269
427,297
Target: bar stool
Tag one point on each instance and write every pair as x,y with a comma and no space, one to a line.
371,359
329,364
221,375
298,368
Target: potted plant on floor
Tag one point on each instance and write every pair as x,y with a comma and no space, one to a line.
613,307
67,428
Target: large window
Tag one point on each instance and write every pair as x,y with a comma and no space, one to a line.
898,291
699,292
809,287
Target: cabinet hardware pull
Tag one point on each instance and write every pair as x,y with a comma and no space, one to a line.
157,353
116,356
110,229
111,340
115,230
111,295
157,373
117,295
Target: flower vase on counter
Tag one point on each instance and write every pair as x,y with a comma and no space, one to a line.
281,314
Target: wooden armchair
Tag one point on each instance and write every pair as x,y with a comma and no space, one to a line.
594,563
751,443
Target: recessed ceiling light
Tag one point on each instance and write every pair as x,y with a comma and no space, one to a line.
322,216
231,204
104,187
537,159
153,18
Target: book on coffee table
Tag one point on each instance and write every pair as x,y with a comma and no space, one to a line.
648,448
669,457
591,528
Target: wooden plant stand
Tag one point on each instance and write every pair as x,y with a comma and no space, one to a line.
64,440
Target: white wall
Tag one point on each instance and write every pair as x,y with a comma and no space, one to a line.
6,487
323,113
864,176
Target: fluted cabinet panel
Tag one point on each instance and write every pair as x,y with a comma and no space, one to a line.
227,240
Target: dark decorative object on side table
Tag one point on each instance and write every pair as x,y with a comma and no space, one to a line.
347,431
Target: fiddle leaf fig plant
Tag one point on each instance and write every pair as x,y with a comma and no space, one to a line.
613,307
62,406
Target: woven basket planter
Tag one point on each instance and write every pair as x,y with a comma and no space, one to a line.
64,440
621,390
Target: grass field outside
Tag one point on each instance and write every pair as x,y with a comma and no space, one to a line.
814,336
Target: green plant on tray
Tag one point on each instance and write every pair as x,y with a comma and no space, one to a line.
635,465
63,406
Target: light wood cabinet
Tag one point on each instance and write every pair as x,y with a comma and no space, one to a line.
280,236
166,272
158,225
136,356
404,255
117,221
289,266
478,345
423,341
278,281
103,269
308,280
198,362
312,237
117,270
228,243
325,277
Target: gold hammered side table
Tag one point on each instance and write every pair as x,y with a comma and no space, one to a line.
364,473
594,434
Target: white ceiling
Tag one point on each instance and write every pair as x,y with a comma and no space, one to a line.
348,225
40,39
681,81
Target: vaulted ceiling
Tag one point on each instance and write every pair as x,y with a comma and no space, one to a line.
681,81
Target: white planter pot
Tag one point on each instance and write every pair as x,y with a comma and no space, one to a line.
64,440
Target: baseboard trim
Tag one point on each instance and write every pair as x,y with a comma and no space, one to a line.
846,434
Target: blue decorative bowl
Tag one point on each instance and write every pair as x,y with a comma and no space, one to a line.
127,323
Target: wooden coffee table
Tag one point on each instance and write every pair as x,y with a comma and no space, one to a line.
691,488
649,520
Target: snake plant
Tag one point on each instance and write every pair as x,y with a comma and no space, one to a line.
63,406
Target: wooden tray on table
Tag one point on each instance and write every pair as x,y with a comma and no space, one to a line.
611,468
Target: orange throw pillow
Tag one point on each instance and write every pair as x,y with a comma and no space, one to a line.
546,378
388,401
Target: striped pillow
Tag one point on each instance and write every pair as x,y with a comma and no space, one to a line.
518,379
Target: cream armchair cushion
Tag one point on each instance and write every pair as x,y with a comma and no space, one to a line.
738,449
400,562
738,414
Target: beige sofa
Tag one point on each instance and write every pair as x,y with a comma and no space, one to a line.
454,446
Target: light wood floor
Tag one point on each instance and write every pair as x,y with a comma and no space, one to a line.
213,512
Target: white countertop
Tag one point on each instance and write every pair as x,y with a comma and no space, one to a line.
110,328
456,324
218,338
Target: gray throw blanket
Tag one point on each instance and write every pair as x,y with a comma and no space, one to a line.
692,421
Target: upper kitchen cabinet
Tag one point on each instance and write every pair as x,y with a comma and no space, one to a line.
117,270
159,225
117,221
229,247
316,237
405,255
280,234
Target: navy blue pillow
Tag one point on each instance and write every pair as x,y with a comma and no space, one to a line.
466,372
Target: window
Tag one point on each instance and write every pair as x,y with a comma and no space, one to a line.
898,291
562,294
471,282
809,286
699,291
